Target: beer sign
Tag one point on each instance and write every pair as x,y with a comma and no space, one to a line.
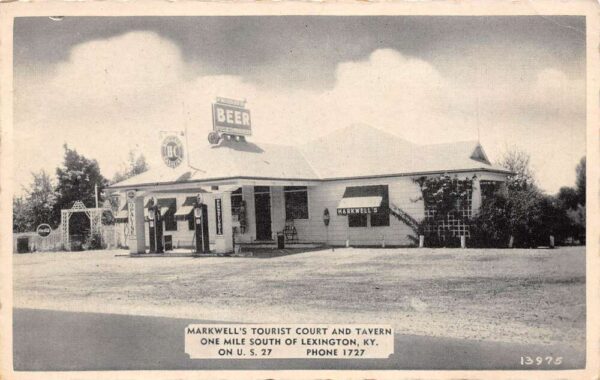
231,117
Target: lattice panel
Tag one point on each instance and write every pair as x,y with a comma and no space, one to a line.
453,222
78,205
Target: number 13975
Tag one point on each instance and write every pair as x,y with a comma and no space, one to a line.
541,360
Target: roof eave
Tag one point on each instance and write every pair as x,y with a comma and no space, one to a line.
316,180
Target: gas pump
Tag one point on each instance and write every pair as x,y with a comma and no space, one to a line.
201,226
155,228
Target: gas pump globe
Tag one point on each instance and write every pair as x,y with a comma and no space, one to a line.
151,216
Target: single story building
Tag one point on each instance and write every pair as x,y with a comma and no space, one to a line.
357,178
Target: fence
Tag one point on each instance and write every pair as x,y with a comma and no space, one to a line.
32,242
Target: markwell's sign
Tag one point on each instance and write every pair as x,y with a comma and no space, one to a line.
357,210
231,117
44,230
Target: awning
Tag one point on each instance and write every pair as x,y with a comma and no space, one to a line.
186,209
164,204
122,215
363,200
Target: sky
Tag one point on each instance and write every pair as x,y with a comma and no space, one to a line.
108,85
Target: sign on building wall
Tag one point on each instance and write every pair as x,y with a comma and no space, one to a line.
357,210
231,117
172,150
219,216
131,213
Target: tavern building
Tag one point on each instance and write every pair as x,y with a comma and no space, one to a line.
343,188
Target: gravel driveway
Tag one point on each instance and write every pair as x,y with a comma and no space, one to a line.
525,296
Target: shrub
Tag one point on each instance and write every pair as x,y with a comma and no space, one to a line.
93,241
491,226
529,216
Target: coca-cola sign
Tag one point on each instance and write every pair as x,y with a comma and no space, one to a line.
44,230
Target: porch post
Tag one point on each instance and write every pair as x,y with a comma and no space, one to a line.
223,223
475,196
137,233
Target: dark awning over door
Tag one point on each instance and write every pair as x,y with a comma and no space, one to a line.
363,200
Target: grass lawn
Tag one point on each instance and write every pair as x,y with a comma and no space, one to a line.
526,296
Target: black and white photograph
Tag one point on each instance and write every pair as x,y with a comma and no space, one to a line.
310,190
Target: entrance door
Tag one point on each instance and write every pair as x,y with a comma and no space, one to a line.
262,211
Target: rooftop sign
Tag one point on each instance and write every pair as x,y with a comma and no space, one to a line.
230,116
172,151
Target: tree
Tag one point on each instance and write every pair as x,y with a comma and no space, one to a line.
20,216
524,212
76,180
518,162
568,197
40,199
581,180
134,166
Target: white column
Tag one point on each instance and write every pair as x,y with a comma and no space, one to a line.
248,195
137,233
223,241
475,197
277,209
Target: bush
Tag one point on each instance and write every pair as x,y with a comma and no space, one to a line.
93,242
491,226
527,215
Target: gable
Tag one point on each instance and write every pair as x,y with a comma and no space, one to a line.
479,155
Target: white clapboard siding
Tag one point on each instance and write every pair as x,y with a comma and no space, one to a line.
402,192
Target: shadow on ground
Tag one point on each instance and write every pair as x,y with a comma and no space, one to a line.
47,340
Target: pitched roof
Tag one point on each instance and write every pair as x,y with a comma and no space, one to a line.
363,151
230,159
356,151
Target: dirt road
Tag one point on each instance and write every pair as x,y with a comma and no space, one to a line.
518,296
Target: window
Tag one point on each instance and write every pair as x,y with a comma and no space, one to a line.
190,220
296,202
169,216
357,220
488,189
236,202
380,219
169,219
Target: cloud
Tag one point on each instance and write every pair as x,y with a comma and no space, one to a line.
117,94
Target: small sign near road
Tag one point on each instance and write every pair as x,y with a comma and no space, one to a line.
44,230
